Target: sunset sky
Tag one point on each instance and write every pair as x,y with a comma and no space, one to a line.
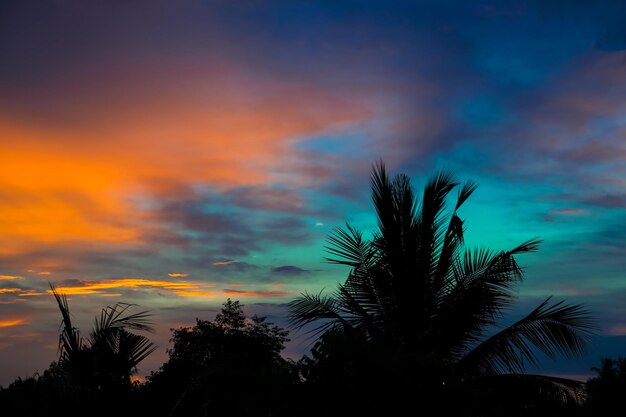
176,153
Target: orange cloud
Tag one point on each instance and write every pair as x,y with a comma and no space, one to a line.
90,287
12,322
9,277
177,274
183,289
31,293
45,273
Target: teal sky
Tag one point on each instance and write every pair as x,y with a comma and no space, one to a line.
175,154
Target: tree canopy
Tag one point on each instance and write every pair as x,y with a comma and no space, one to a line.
417,300
231,364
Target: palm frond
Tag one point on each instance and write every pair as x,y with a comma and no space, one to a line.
557,329
448,255
70,341
134,348
531,245
358,308
403,204
348,247
561,389
531,386
383,199
489,277
362,288
429,221
311,308
119,316
468,189
482,287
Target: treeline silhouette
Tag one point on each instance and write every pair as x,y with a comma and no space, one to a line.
415,328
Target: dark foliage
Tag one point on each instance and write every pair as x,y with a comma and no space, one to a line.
104,361
229,365
607,390
418,316
92,375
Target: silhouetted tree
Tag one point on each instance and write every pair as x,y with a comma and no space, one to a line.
606,391
92,375
230,365
106,359
43,395
417,319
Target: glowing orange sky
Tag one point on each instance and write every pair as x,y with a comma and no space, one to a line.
73,182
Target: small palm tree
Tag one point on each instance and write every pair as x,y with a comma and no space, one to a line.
413,291
109,356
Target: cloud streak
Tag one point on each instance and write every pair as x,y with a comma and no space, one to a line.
259,293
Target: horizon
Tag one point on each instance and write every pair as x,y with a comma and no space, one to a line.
176,155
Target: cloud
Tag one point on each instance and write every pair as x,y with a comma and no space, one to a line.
205,224
177,275
266,198
233,267
141,149
289,270
618,330
269,293
559,214
195,293
93,287
224,262
608,200
9,277
12,322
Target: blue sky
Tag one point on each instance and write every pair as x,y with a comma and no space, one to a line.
174,154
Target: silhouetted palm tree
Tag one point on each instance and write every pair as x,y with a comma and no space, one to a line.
413,290
606,390
108,357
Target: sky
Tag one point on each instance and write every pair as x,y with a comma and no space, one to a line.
173,154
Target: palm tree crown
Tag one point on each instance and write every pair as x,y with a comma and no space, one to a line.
412,287
109,356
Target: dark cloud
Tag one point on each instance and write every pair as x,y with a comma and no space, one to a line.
607,200
290,270
267,198
591,198
212,229
591,152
